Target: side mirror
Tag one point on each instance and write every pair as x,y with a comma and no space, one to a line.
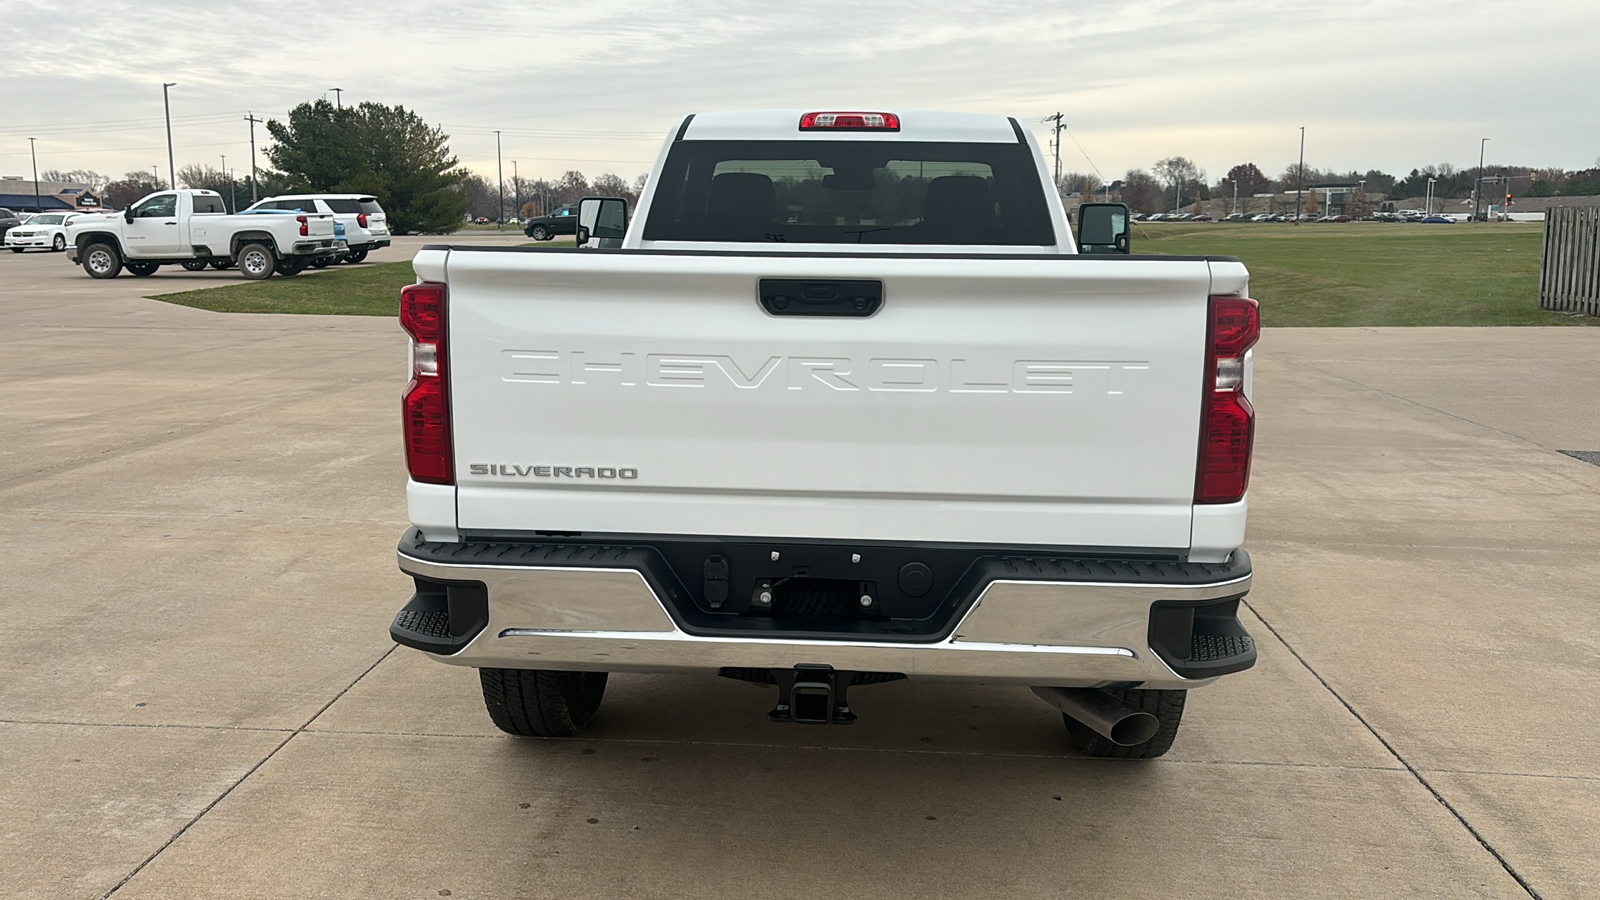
127,215
1103,228
602,222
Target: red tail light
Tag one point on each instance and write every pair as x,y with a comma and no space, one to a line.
304,228
425,407
361,219
1227,423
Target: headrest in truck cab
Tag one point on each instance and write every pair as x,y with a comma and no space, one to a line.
957,200
741,197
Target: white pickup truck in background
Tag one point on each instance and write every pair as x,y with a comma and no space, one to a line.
848,404
193,228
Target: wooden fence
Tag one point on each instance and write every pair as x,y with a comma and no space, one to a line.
1569,271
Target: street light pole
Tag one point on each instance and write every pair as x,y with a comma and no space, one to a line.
1477,184
516,191
1300,178
38,205
500,177
1427,201
338,97
172,167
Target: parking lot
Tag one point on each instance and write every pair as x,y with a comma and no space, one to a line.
200,697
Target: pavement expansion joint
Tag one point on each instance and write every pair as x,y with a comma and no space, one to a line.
1433,409
1415,773
190,726
241,780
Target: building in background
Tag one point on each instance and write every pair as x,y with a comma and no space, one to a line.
18,194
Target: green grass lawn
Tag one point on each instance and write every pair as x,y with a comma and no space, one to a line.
361,290
372,290
1362,273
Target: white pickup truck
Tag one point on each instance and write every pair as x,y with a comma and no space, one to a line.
848,404
193,228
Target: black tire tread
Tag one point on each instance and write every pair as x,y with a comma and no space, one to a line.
541,702
1164,705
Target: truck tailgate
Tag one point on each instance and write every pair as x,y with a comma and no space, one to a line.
1034,400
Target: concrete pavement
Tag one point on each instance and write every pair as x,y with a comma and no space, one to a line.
200,698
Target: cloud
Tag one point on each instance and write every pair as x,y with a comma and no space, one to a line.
596,87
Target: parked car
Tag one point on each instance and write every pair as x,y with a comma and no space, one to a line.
481,220
366,226
8,220
544,228
1202,217
191,226
905,462
42,231
1437,220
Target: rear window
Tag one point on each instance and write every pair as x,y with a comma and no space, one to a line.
345,206
369,205
204,204
856,192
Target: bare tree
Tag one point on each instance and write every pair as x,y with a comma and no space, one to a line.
130,188
93,179
571,187
1177,173
1141,192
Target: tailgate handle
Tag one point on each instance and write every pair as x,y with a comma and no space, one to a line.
846,298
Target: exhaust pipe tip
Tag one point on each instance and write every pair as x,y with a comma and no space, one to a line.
1134,729
1106,715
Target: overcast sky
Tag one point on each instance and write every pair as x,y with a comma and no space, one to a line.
594,86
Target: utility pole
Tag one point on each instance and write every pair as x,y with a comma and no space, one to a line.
253,120
1300,179
172,168
233,200
1477,184
500,176
38,206
516,191
338,97
1057,144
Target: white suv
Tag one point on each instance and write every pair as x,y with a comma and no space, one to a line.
366,227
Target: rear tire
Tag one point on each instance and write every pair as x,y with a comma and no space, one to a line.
256,261
142,269
322,262
17,249
101,260
59,244
292,266
540,233
1164,705
541,702
355,256
220,264
193,265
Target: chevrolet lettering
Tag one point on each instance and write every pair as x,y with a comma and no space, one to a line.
957,375
899,421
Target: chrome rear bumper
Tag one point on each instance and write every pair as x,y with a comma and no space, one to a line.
1033,632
